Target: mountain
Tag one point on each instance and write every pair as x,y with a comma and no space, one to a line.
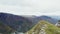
44,27
18,23
5,29
31,18
36,19
21,23
55,17
46,18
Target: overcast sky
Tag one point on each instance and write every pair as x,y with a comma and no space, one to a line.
30,7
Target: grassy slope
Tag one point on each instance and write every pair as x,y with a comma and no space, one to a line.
50,29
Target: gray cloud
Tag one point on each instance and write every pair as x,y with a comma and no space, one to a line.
30,6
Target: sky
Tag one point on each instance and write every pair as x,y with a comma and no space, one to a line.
30,7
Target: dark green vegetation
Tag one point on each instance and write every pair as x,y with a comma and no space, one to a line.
49,28
12,22
5,29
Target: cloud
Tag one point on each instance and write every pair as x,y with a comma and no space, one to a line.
30,7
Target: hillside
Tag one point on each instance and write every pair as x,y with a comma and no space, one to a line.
44,27
5,29
16,22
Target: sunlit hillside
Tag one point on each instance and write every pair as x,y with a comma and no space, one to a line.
44,27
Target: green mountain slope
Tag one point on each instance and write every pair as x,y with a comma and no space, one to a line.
44,27
5,29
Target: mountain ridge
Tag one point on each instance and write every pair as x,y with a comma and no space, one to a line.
16,22
44,26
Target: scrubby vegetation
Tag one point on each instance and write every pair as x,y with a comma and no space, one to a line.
48,28
4,29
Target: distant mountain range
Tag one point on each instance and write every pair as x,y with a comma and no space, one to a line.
55,17
46,18
36,19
